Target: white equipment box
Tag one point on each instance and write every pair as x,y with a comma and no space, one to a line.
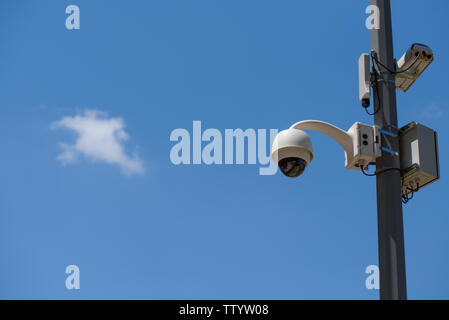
419,156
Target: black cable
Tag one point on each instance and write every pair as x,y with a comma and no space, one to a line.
381,171
391,71
378,107
406,198
376,79
376,110
406,195
367,174
413,190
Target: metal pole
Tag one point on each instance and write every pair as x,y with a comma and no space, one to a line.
389,203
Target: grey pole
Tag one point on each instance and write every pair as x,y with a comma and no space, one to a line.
389,202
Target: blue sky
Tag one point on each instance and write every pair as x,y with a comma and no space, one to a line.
162,231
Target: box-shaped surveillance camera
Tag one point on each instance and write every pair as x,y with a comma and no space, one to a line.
418,155
412,64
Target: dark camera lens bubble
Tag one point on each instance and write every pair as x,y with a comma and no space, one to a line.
292,167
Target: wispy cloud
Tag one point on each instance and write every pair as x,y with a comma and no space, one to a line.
433,112
99,139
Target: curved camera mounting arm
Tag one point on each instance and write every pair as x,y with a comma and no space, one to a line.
339,135
361,142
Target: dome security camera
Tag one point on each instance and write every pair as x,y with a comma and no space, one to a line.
292,151
292,148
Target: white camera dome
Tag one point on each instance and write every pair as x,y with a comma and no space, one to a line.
293,145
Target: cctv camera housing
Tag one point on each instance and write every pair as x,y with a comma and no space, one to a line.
361,144
292,143
415,60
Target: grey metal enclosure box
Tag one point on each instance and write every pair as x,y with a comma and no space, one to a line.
419,156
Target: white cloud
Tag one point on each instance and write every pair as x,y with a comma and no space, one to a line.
99,139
